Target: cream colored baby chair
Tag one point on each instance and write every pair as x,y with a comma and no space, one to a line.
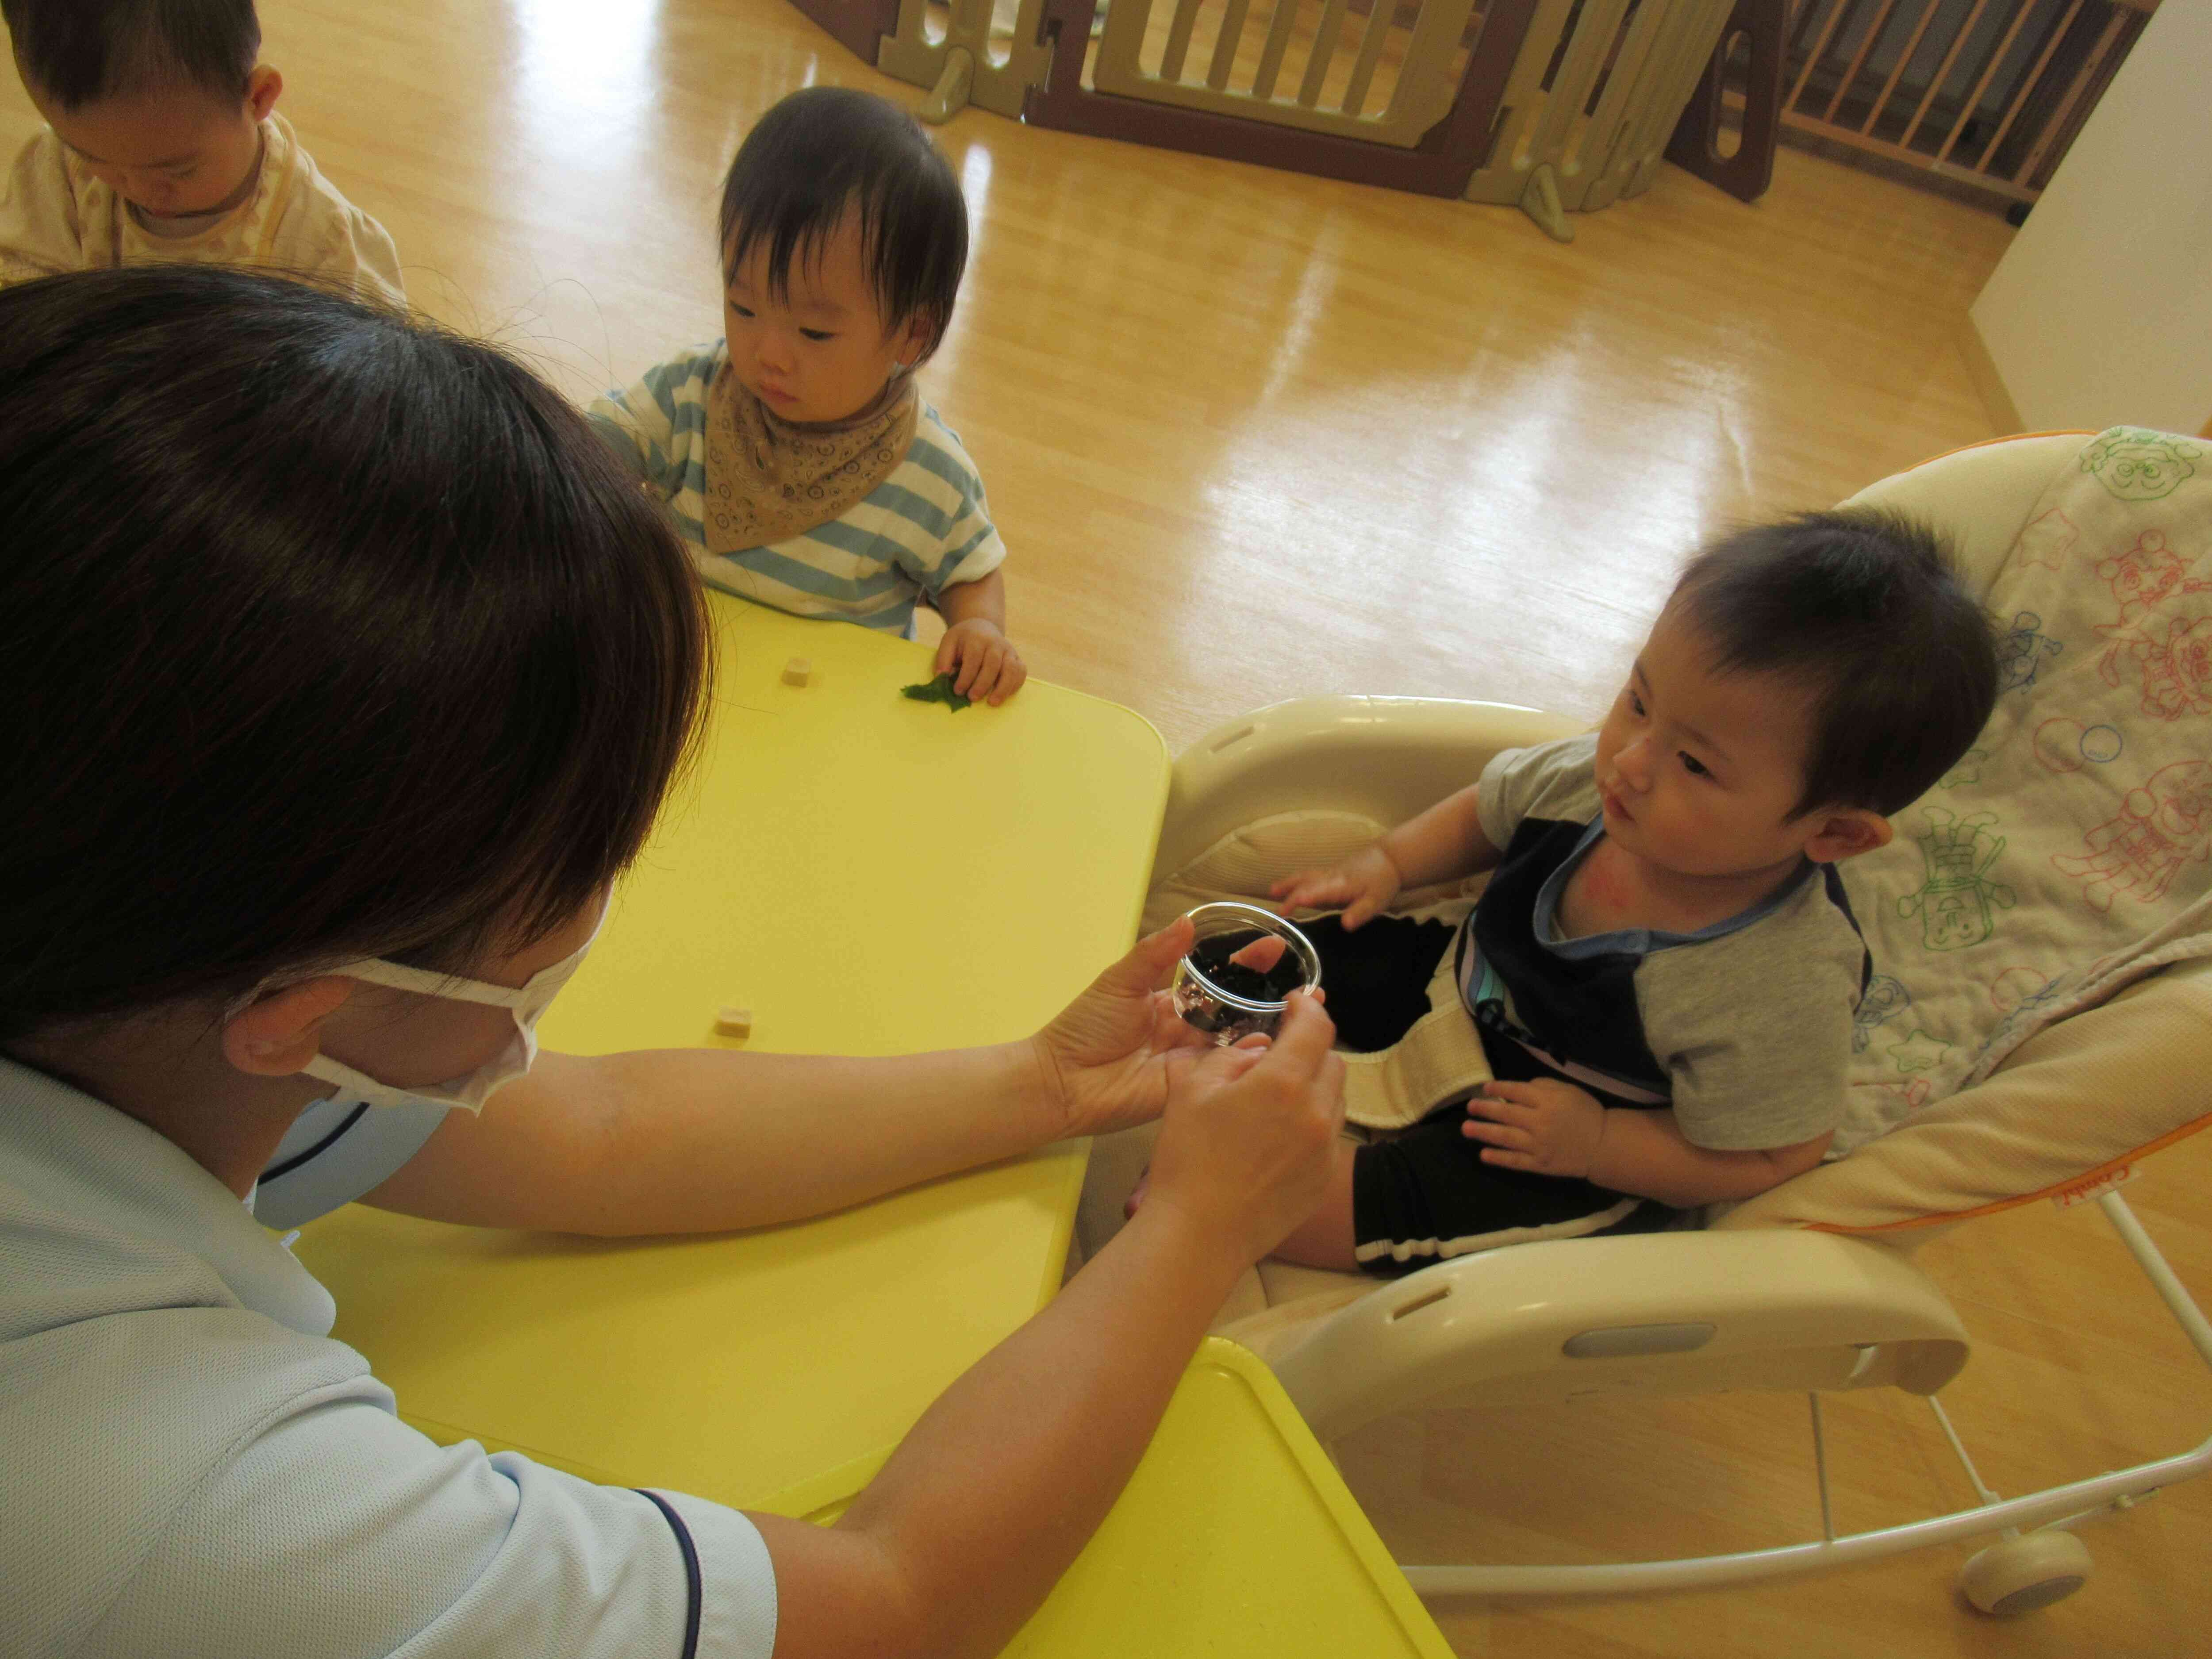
2042,1018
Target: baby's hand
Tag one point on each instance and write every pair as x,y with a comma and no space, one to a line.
1547,1127
1362,884
982,661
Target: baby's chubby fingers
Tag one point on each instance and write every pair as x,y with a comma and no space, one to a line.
1497,1098
1553,1128
1361,910
1013,673
1261,954
978,661
1309,887
1492,1134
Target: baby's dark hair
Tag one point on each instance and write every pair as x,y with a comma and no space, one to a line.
78,51
323,635
1864,610
827,152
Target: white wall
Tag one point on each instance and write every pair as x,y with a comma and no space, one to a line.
2100,313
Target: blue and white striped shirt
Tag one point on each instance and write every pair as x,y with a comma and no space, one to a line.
922,529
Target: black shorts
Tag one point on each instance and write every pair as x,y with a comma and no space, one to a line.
1423,1194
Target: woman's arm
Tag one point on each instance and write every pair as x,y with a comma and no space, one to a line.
705,1140
981,1509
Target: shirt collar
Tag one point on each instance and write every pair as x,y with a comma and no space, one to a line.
72,1154
1641,941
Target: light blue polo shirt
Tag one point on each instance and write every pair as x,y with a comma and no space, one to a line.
190,1465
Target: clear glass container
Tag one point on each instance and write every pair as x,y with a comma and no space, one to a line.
1230,999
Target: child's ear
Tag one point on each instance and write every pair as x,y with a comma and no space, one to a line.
275,1035
1845,832
915,339
263,88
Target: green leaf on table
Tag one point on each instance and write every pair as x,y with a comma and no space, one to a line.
937,690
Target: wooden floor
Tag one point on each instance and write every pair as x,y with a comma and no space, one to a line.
1251,435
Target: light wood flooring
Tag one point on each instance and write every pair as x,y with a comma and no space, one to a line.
1251,435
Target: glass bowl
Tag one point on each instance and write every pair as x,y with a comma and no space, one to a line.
1228,999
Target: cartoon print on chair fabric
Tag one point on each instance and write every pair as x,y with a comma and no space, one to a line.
1968,769
2021,651
1957,903
2047,540
2021,988
2162,628
1883,999
1918,1052
2064,745
2071,853
2140,466
2176,666
2162,828
2146,572
1909,1096
2022,997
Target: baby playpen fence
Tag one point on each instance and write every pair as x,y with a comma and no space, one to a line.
1556,104
1553,104
1988,93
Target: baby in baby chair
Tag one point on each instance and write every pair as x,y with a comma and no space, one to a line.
798,462
1663,967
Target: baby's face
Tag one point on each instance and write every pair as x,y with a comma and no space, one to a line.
820,351
166,153
1700,773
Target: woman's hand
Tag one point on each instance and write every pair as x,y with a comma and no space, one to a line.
1362,885
1245,1143
1106,1060
956,1542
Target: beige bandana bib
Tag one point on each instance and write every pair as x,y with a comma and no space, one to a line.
768,480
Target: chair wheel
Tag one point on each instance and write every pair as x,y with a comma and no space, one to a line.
2024,1573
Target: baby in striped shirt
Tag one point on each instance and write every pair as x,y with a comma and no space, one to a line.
801,464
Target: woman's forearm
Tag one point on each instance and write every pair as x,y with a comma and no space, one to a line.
707,1140
998,1486
994,1491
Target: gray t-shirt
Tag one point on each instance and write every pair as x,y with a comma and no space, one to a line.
1749,1020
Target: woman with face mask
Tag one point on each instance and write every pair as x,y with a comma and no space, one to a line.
340,674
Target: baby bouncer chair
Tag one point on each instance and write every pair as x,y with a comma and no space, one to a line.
2042,933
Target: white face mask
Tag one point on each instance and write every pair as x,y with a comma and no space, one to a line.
472,1089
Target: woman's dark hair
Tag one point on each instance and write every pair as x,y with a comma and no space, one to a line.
78,51
830,151
323,635
1864,610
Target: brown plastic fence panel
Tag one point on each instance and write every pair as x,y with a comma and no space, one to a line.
1439,164
1695,146
857,25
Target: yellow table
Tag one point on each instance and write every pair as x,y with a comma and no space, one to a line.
870,875
1234,1539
